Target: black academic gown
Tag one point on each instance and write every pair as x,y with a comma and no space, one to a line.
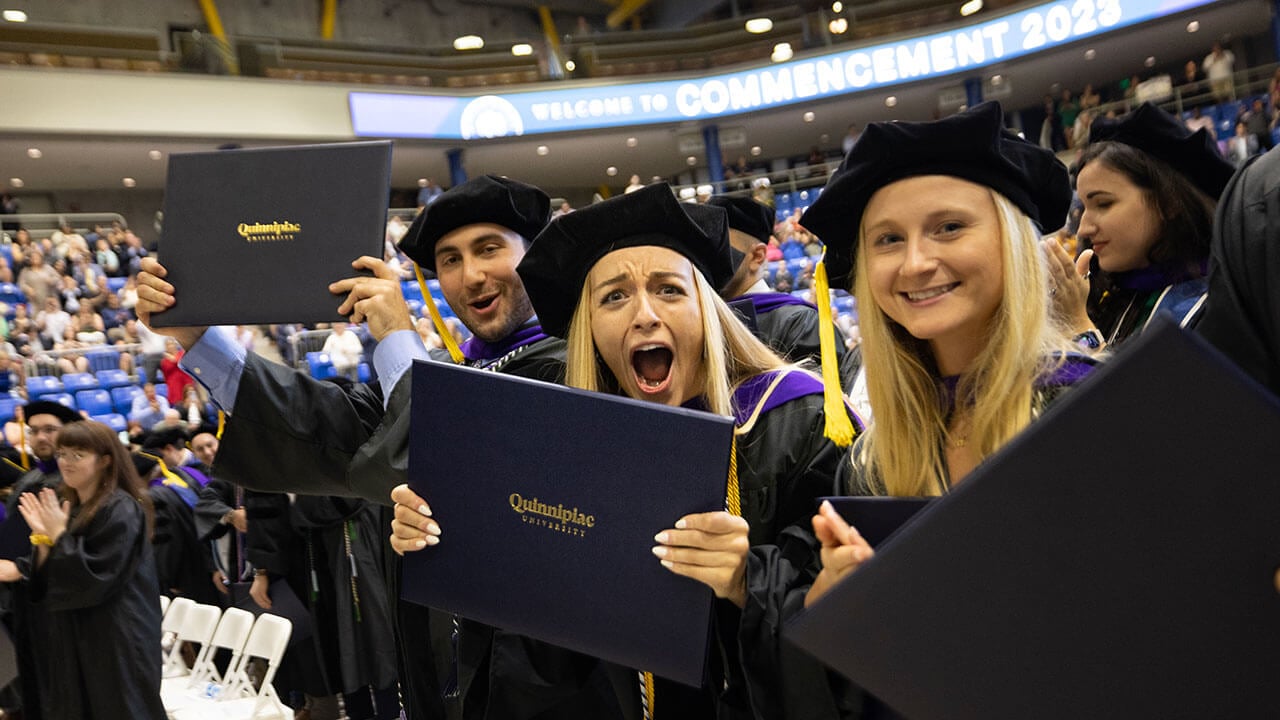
338,440
179,556
1242,315
102,619
216,499
347,538
791,330
26,617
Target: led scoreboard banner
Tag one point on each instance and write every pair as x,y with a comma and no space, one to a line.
390,115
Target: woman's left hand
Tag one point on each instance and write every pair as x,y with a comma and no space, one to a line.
710,548
44,514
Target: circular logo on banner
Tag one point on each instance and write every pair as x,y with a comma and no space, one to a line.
490,116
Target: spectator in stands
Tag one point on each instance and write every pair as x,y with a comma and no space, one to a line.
114,317
66,241
816,161
1192,79
153,347
245,336
428,193
1068,110
6,272
148,408
773,252
1079,134
175,380
1198,121
762,191
133,252
1273,90
191,409
344,351
69,294
1242,145
89,328
20,247
1257,120
52,322
1089,99
129,293
634,184
564,209
1051,132
9,205
428,334
106,258
1220,66
38,281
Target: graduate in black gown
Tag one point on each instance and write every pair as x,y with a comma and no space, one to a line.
962,349
94,575
353,441
784,322
651,326
45,420
1243,313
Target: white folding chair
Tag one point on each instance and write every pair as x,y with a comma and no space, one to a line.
198,625
239,701
231,634
164,605
171,623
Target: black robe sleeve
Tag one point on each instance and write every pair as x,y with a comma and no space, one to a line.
83,569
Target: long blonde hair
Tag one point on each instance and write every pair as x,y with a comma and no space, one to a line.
730,354
903,449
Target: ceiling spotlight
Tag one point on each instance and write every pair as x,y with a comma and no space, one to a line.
15,16
422,182
1150,61
570,65
543,150
837,7
997,80
891,101
632,142
16,182
1193,26
838,26
970,7
155,154
808,116
128,182
34,153
781,52
521,49
1090,54
611,171
759,25
755,151
691,161
468,42
824,138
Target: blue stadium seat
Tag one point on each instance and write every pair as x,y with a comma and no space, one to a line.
100,360
114,284
792,250
415,308
162,390
64,398
362,372
796,265
41,385
320,365
11,294
411,290
115,421
94,402
782,203
112,378
7,252
122,398
8,406
433,287
75,382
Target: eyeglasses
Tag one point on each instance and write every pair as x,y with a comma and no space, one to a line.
71,455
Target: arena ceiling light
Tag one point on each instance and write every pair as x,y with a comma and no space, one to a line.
781,52
838,26
468,42
611,171
543,150
891,101
1193,26
16,183
756,150
521,49
155,154
1090,54
808,116
34,153
837,7
759,25
128,182
970,7
15,16
632,142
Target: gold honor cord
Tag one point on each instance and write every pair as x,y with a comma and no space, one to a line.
222,424
839,429
732,503
446,337
170,478
21,416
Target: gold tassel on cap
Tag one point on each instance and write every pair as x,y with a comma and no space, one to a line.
446,337
839,429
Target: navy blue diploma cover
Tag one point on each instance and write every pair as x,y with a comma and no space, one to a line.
256,236
548,500
1115,560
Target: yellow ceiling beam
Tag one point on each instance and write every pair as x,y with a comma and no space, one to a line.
327,16
626,9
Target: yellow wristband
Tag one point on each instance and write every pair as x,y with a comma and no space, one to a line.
41,539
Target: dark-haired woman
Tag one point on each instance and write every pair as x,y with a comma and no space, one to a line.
1149,187
95,578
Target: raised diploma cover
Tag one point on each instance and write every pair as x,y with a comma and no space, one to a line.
256,236
1115,560
877,518
548,500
